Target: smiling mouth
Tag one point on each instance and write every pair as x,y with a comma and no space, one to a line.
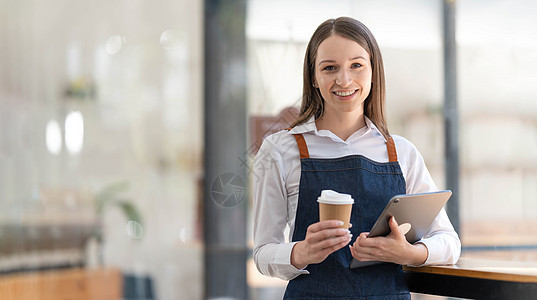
344,93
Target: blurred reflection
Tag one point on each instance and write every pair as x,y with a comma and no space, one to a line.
169,39
74,132
135,230
54,137
182,235
114,43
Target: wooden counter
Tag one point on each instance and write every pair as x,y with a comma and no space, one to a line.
476,279
80,284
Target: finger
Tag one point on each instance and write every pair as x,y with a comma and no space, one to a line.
327,237
319,226
393,225
364,257
365,241
353,252
326,234
364,250
362,237
355,249
327,251
362,254
374,252
334,244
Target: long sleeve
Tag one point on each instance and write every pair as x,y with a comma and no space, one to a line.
442,242
272,254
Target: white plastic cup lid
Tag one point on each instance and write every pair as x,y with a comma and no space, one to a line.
331,197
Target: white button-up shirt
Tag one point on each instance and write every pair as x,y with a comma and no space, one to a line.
276,184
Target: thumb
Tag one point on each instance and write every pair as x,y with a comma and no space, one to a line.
394,227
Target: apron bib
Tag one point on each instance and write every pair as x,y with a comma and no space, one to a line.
371,184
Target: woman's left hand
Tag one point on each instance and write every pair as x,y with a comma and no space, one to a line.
392,248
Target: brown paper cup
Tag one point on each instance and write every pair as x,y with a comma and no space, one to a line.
340,212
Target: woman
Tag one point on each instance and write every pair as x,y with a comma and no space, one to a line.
341,142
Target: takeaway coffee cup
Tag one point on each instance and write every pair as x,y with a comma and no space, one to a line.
335,206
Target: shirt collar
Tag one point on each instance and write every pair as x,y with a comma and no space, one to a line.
310,126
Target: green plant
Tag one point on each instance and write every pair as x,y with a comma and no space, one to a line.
109,196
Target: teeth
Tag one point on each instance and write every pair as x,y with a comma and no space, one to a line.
344,94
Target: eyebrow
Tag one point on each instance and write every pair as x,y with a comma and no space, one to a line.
333,61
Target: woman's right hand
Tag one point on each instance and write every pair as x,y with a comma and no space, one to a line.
322,238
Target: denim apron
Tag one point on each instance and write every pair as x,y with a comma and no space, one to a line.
371,185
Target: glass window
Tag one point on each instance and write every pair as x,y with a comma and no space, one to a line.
497,80
101,142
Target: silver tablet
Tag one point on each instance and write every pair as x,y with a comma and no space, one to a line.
414,213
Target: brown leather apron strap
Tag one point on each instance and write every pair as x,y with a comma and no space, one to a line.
302,147
392,153
304,153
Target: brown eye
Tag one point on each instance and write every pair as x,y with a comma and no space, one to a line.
329,68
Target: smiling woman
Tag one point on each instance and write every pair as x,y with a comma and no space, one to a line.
343,76
363,49
342,143
498,149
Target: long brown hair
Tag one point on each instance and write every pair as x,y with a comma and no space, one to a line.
312,101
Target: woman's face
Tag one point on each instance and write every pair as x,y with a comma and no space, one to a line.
343,75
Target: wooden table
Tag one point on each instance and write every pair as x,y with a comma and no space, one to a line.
476,279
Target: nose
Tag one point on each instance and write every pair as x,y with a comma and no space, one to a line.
343,78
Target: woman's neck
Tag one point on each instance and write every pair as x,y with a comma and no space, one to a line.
343,125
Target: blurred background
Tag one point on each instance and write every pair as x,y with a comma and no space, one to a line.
110,114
